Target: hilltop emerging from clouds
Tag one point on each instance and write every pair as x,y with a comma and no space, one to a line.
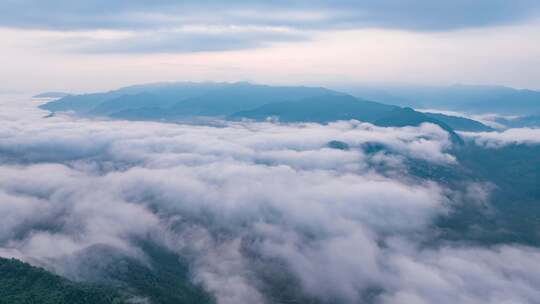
233,101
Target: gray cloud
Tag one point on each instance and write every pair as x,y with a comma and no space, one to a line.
182,41
157,18
218,193
416,15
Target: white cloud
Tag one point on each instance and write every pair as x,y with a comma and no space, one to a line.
503,274
237,194
515,136
488,119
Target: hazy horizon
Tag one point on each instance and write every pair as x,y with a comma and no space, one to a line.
345,88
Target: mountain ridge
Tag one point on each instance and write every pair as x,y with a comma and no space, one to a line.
177,101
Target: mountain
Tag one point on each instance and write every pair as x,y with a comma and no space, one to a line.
192,101
402,117
530,121
467,98
328,108
514,203
152,96
180,99
80,104
107,102
161,278
215,103
22,283
322,109
242,96
103,275
460,123
126,102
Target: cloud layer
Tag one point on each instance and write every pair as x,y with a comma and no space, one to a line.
416,15
192,26
235,196
515,136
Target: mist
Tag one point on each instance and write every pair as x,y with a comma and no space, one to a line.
237,200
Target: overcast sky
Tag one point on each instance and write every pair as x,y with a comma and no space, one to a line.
95,45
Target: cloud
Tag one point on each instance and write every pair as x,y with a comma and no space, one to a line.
235,199
515,136
466,275
181,40
154,25
490,119
416,15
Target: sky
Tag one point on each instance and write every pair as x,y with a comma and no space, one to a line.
81,46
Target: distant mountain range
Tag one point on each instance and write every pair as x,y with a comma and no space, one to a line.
181,99
465,98
520,122
235,101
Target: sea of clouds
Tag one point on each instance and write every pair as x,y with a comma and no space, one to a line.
521,136
235,196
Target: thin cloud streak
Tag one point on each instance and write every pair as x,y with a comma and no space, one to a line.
515,136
